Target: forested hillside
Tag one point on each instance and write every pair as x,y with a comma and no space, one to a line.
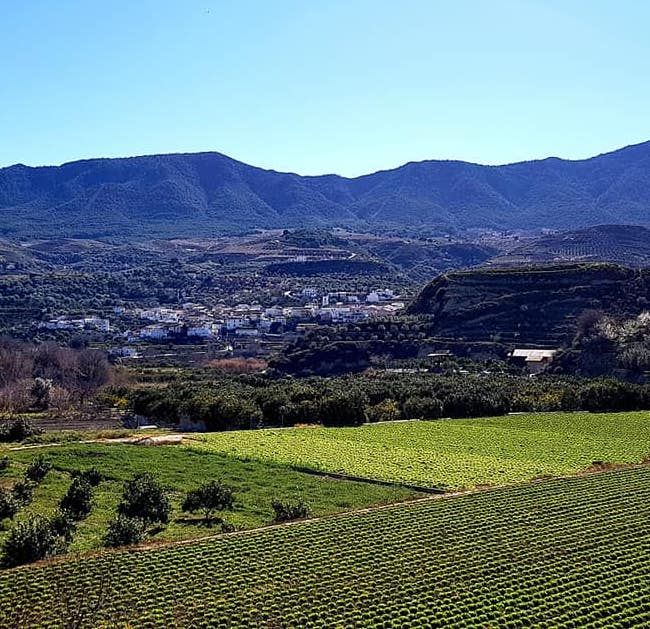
208,193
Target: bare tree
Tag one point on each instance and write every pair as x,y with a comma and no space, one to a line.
15,362
55,363
93,372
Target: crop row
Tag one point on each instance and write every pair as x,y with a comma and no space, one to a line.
560,553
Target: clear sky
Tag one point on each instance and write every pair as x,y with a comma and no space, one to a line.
316,86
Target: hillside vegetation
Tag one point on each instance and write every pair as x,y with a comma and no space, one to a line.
628,245
531,304
205,193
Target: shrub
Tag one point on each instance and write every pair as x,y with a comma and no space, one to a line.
18,430
146,499
32,539
209,497
63,525
77,501
125,530
286,510
4,463
38,469
92,476
60,399
40,391
23,492
9,506
237,365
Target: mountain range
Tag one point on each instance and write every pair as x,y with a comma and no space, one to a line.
210,193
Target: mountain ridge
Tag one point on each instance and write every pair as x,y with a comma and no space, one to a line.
643,144
209,192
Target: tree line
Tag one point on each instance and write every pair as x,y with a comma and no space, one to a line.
248,401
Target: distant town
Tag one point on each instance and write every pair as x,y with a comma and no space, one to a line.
248,328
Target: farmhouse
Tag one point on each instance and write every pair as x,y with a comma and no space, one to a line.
535,360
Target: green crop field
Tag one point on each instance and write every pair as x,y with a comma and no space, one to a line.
451,453
256,485
558,553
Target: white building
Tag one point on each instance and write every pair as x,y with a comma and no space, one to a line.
103,325
310,292
63,323
247,332
203,330
535,360
273,311
163,315
380,295
159,332
234,323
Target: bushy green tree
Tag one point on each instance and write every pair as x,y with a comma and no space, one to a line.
124,531
417,407
475,403
17,430
209,497
608,395
77,502
9,506
63,525
344,409
32,539
23,492
145,498
384,411
92,476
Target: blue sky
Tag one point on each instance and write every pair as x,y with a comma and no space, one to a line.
316,86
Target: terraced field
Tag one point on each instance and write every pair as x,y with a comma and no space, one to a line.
451,453
559,553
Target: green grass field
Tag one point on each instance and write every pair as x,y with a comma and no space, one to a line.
451,453
562,553
256,485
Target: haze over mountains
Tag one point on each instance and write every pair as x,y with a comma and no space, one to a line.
209,193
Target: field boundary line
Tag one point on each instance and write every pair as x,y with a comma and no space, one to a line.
372,481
